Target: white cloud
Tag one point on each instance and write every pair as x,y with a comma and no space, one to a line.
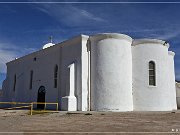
69,14
169,35
9,52
90,16
164,34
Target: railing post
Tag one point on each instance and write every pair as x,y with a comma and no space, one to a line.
31,108
56,106
45,106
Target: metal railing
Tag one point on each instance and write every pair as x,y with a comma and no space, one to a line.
43,110
31,106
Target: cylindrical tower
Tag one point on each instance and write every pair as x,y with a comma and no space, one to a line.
111,72
172,82
153,78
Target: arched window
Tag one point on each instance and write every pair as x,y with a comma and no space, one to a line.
31,79
152,73
55,76
14,86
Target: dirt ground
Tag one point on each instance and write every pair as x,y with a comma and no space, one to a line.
19,122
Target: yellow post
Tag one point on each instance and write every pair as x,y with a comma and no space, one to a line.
56,106
31,108
45,106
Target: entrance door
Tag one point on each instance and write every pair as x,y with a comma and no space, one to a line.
41,97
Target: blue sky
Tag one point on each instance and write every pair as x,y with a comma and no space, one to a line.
25,27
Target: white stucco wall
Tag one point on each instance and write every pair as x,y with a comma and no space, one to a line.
43,75
85,75
69,102
111,73
172,84
63,55
72,52
161,96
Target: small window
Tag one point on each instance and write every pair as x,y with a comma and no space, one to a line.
31,79
152,74
55,76
14,85
35,59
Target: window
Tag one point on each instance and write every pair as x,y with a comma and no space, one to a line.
55,76
14,86
31,79
35,59
152,74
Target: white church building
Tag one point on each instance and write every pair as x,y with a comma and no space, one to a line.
103,72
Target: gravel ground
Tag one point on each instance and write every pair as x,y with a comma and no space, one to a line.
19,122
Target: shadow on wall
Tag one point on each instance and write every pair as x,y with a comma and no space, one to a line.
178,94
1,93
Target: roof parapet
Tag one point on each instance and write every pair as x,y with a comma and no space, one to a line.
102,36
150,41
